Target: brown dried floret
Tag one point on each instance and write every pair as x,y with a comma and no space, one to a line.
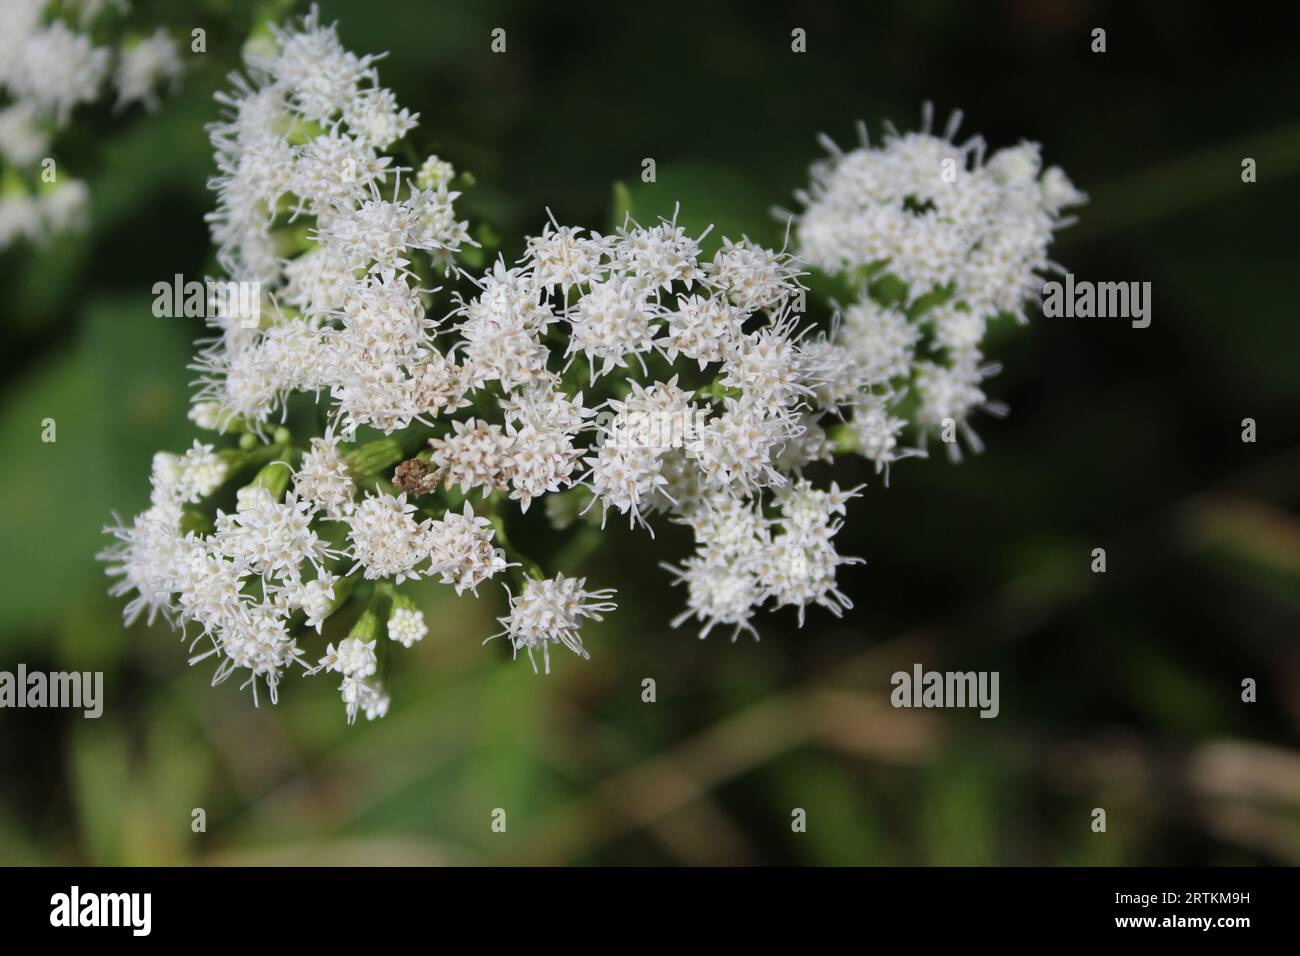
415,477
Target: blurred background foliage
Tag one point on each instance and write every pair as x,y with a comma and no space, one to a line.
1120,691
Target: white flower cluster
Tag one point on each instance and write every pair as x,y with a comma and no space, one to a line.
631,371
745,558
636,314
962,240
299,154
302,213
48,67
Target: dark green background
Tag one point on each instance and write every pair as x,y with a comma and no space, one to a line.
1119,691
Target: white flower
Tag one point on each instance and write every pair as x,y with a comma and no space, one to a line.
144,67
386,540
144,558
20,218
372,392
727,528
542,460
317,282
950,393
23,139
753,277
502,329
562,257
475,455
315,597
805,507
799,571
383,317
704,329
335,170
321,77
376,234
876,432
373,114
19,21
207,415
658,256
47,69
880,339
406,626
544,406
551,611
737,450
438,385
200,471
956,328
296,354
242,380
435,172
658,418
798,566
64,208
765,366
352,658
726,593
461,552
440,233
258,642
209,591
57,69
935,214
625,477
372,235
809,443
324,480
613,320
364,695
270,538
1058,191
